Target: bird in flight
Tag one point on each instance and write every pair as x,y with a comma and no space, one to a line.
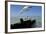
23,10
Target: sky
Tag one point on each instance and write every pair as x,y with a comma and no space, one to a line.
30,11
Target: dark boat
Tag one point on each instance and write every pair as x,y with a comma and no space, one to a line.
23,24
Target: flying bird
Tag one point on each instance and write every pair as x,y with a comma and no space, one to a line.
23,10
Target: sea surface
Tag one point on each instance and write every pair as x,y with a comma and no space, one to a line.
38,19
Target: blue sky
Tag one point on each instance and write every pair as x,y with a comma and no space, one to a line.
33,11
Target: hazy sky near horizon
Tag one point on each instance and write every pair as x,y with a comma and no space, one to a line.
31,11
